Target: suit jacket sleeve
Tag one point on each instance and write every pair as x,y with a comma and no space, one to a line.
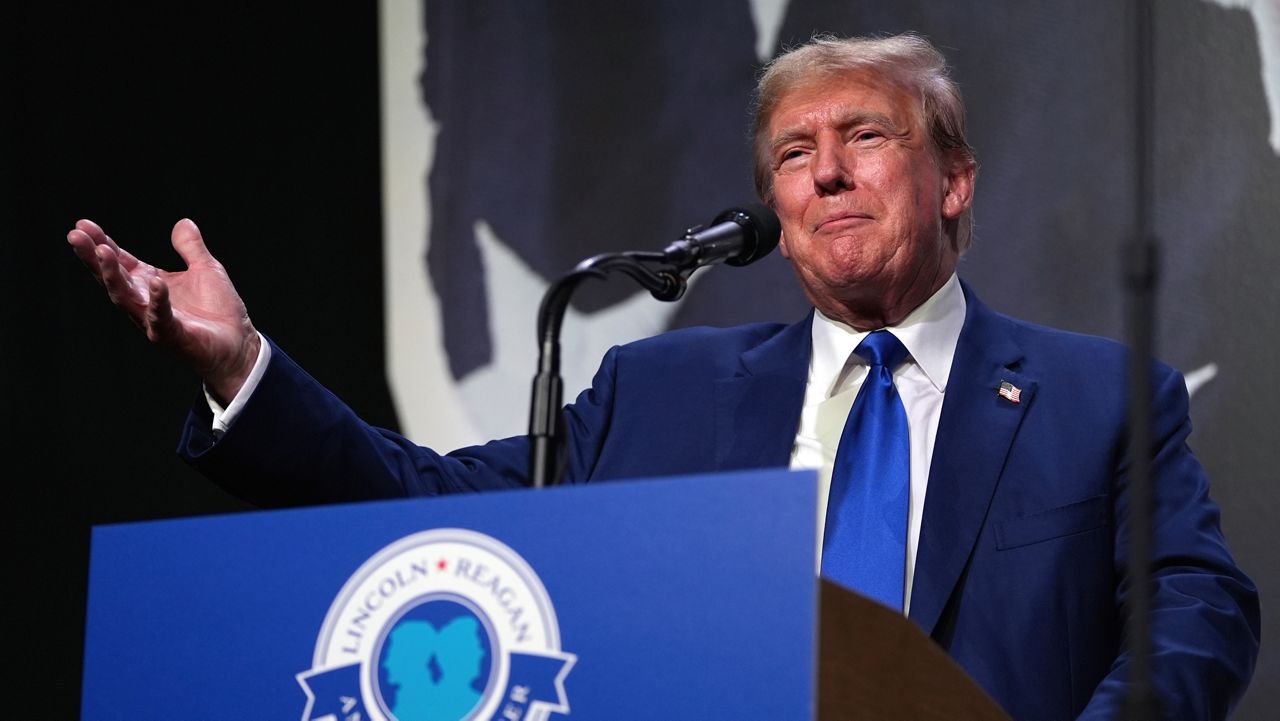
295,443
1204,611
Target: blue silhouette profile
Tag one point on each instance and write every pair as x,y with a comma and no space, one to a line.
433,665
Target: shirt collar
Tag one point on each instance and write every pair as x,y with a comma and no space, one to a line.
930,334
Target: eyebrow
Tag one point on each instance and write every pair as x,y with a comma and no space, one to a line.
850,119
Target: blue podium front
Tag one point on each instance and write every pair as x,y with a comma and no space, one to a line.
680,598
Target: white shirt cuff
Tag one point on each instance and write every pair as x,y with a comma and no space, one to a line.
224,417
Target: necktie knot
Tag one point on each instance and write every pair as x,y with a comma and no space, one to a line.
882,348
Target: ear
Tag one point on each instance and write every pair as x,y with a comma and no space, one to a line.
957,185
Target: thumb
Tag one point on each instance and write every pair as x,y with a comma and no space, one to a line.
186,239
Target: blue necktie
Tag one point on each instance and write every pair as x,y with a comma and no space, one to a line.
864,546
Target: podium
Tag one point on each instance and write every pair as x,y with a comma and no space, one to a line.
677,598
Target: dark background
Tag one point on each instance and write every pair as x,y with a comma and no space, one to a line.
261,124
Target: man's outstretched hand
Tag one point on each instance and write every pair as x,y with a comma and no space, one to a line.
196,312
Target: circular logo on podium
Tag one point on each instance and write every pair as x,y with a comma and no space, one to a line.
446,625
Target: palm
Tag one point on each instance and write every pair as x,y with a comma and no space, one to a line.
196,312
207,309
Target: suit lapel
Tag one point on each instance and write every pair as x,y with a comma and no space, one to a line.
758,406
975,432
758,411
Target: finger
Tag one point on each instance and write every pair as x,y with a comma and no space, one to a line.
127,259
160,324
189,243
85,250
119,285
95,233
100,237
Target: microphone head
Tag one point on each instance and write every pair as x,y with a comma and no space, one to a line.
760,231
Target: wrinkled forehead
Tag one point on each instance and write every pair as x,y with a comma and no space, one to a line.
859,88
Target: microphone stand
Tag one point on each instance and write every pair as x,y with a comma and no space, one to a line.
664,279
1141,259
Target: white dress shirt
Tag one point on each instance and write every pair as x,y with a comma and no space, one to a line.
224,417
930,334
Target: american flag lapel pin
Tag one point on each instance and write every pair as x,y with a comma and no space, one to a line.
1010,392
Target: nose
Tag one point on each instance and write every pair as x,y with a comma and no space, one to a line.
832,167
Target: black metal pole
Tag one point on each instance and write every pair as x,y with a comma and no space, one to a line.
664,280
737,236
548,393
1141,262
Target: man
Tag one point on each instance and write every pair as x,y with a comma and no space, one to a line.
1010,513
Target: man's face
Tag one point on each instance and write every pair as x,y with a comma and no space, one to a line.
863,198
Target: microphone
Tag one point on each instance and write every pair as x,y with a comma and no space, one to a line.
737,236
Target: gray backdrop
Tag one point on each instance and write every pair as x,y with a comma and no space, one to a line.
572,129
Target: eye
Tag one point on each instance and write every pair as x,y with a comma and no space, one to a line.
791,155
867,135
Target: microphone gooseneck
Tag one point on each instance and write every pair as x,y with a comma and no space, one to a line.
736,237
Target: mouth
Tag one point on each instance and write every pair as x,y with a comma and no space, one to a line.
840,221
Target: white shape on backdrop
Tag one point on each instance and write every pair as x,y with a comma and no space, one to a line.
1197,378
767,16
491,402
500,391
428,405
431,407
1266,21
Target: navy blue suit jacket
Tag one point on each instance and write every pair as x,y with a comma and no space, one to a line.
1021,570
